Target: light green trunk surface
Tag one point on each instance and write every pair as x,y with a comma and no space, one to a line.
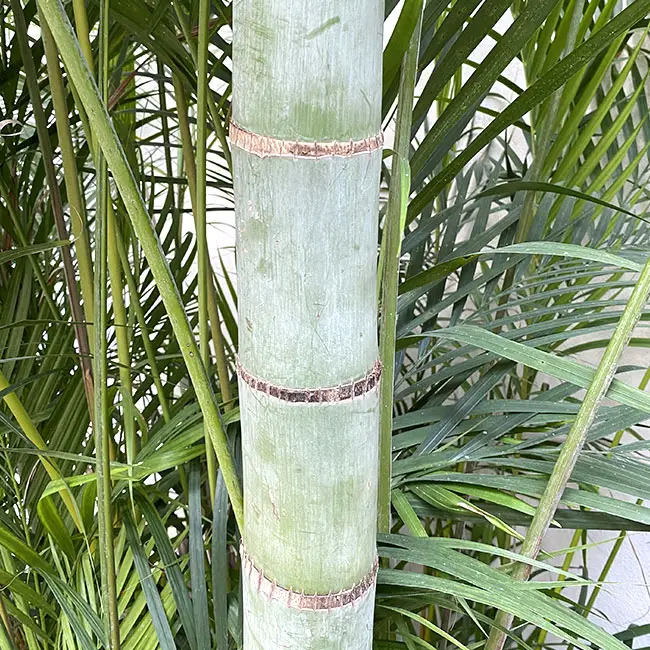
307,70
268,624
306,266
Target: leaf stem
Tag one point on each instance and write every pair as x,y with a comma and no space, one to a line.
76,312
144,330
70,176
136,209
102,421
212,107
213,310
391,246
573,444
200,214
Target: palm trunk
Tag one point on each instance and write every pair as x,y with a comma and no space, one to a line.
306,154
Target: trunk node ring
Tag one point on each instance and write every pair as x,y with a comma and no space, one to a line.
300,600
266,146
343,392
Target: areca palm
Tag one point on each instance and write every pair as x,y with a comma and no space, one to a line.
512,219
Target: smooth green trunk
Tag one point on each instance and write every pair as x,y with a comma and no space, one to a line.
306,149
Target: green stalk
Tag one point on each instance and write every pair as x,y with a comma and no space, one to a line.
574,442
306,207
400,188
77,209
546,131
144,330
615,548
78,218
219,346
618,544
121,334
190,172
212,107
83,32
119,310
109,142
186,139
164,122
102,421
200,213
83,37
609,562
76,312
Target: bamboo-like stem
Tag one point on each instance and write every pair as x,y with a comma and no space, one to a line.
391,246
573,444
83,38
83,32
109,142
219,347
212,107
121,332
55,198
164,122
121,321
616,547
29,429
186,137
78,218
200,215
144,330
102,422
190,172
119,310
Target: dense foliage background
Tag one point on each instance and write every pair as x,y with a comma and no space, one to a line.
522,235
